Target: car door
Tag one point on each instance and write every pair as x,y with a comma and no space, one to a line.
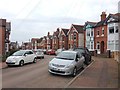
78,61
88,54
31,56
26,57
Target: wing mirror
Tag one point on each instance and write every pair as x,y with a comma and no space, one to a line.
76,59
25,55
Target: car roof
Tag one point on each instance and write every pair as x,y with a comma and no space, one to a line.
25,50
70,51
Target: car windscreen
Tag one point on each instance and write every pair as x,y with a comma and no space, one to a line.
66,55
80,50
18,53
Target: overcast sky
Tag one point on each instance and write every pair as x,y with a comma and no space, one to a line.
35,18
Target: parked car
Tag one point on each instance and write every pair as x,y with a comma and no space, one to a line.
21,57
86,53
66,63
44,50
50,52
58,51
39,53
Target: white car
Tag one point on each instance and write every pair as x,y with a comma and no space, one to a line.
66,63
39,53
21,57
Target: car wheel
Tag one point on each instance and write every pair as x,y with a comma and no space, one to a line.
21,63
43,57
74,72
35,60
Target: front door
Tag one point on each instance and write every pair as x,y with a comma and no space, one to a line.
102,47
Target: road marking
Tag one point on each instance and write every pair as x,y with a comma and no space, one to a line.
78,75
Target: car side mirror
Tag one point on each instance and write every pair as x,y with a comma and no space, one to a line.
25,55
76,59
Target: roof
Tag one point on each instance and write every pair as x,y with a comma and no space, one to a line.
104,22
101,23
69,51
65,31
116,17
92,24
79,28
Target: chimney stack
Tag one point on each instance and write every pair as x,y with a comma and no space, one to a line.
48,33
103,16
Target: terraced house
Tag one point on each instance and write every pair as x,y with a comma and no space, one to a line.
49,41
89,35
75,36
100,35
113,35
44,42
55,39
63,39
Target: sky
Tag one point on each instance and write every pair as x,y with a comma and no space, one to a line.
35,18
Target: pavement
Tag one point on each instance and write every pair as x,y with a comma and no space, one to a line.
3,65
101,73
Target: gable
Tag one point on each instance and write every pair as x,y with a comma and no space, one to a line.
88,26
72,29
111,20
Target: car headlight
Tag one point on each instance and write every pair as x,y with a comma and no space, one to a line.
50,64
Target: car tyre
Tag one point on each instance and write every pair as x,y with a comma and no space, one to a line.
35,60
21,63
74,72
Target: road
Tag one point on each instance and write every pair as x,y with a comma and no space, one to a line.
33,76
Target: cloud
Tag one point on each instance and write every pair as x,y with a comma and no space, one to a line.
34,18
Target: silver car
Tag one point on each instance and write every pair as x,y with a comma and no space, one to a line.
66,63
58,51
39,53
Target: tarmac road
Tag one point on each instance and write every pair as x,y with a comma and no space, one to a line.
33,76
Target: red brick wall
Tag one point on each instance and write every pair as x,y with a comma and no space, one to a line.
101,38
71,42
2,36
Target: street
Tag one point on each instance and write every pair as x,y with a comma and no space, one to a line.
33,76
102,72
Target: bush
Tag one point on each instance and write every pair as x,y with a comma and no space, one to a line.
4,57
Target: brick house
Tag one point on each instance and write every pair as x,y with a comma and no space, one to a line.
75,36
36,43
89,35
63,39
14,45
44,42
100,35
26,45
5,29
55,40
112,31
49,41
